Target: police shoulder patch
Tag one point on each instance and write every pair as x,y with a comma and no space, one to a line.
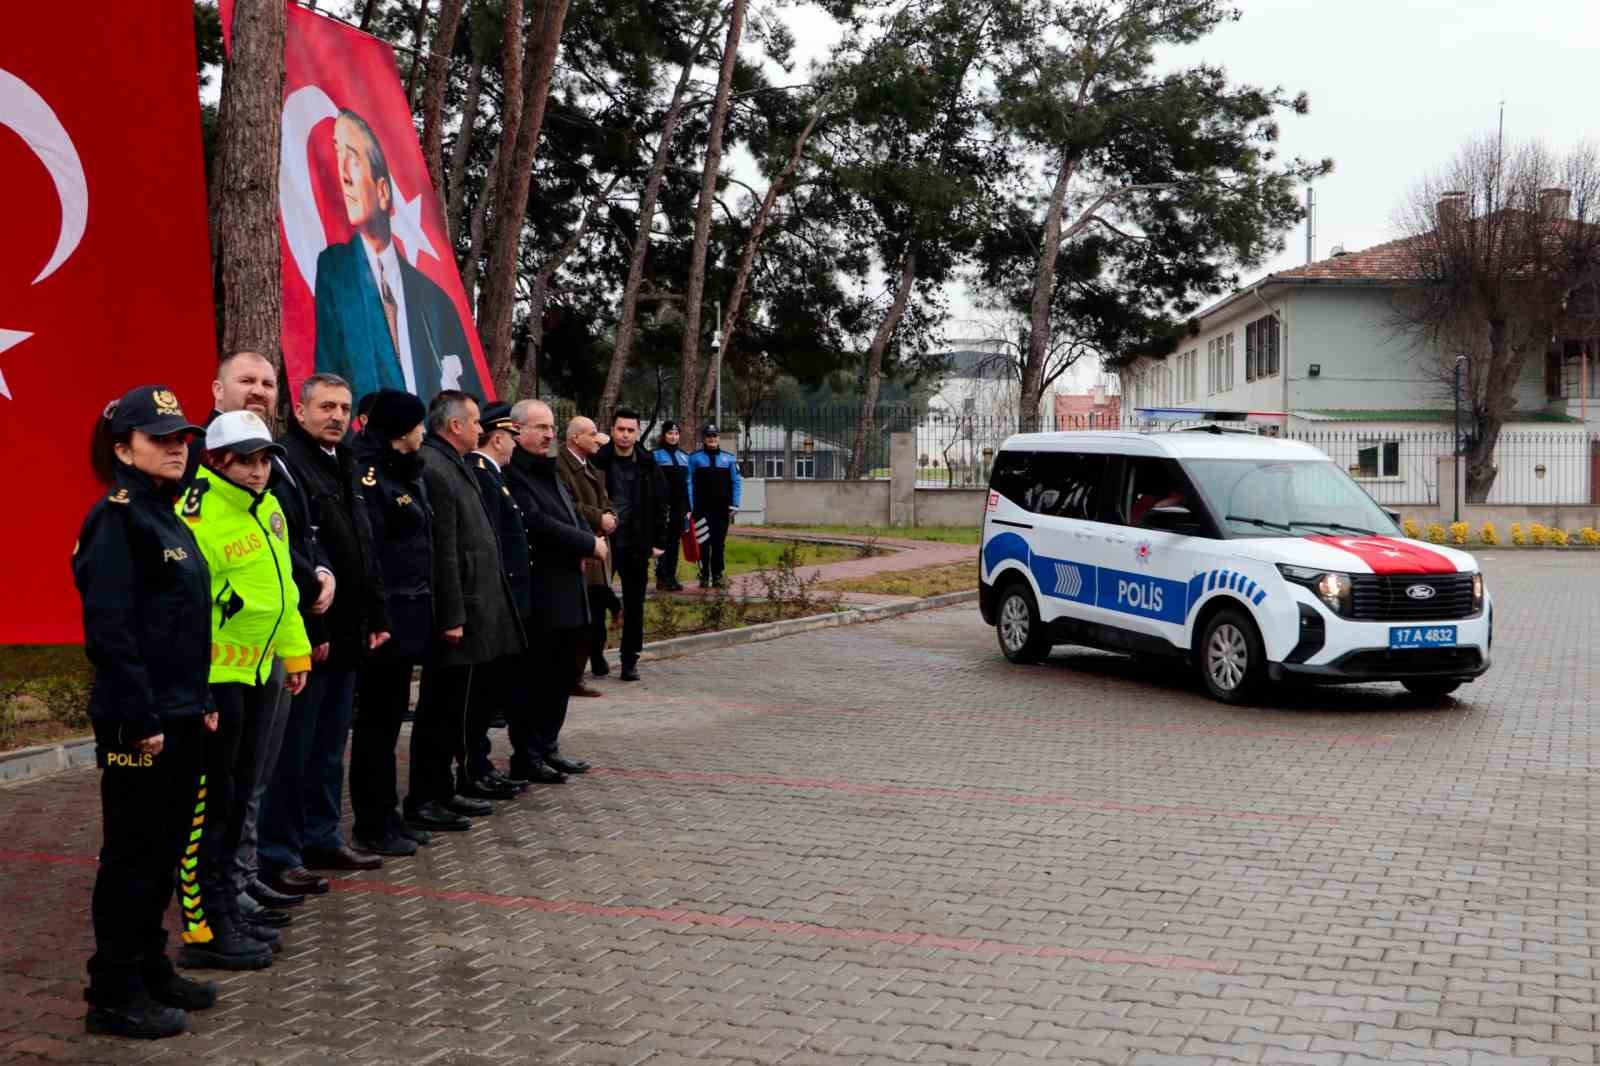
371,477
277,524
120,496
191,499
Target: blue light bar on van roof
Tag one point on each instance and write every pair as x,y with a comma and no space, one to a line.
1201,414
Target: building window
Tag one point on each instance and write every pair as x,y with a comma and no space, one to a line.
1212,377
774,468
805,467
1227,365
1378,459
1261,348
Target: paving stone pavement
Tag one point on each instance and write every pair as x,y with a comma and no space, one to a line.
884,844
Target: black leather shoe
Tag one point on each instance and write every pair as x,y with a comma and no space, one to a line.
393,846
228,949
629,673
343,857
431,817
267,918
268,896
416,834
185,993
474,808
520,784
485,788
145,1020
565,765
261,933
599,667
543,775
296,880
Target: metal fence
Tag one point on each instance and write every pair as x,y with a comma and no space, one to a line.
1555,465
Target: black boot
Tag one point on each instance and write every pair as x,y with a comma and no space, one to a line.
169,988
142,1019
230,948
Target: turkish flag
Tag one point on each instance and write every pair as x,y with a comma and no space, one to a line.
370,287
105,268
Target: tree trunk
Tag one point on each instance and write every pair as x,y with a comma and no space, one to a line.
694,295
500,170
367,13
747,259
438,76
874,376
1044,284
416,59
641,243
500,294
457,178
248,268
1491,411
475,237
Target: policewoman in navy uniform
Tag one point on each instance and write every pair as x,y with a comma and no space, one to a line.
146,597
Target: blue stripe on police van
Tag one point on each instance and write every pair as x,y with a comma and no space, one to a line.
1259,597
1063,579
1003,546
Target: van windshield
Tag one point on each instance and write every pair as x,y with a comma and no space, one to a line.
1286,498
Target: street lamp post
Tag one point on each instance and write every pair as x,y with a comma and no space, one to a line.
716,355
1456,465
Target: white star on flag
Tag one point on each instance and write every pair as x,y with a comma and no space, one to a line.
9,338
407,225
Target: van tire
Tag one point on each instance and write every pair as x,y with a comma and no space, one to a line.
1231,657
1018,627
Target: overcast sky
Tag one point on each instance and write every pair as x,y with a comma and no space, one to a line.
1395,87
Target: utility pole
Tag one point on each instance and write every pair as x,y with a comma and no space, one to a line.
1456,465
716,353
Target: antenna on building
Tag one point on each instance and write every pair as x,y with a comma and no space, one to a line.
1311,225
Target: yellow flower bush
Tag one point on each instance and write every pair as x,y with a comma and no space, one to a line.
1517,535
1458,532
1489,535
1559,537
1538,534
1410,529
1435,533
1589,535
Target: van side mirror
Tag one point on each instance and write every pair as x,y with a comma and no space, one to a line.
1394,516
1172,520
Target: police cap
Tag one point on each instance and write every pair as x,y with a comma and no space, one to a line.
498,416
151,409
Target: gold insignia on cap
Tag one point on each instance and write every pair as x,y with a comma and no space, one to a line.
166,403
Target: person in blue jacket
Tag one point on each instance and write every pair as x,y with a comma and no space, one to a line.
714,492
146,593
674,466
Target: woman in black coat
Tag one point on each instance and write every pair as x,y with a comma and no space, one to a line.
389,469
147,630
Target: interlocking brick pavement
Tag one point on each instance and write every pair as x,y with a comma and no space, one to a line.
884,844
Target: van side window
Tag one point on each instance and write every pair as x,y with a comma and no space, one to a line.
1148,484
1067,484
1010,477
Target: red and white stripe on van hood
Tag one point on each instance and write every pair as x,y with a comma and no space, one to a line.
1368,554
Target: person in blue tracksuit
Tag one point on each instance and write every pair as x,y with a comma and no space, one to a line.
674,466
714,492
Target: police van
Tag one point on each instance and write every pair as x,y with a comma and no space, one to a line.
1253,558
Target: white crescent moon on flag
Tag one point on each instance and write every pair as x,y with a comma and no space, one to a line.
25,111
302,224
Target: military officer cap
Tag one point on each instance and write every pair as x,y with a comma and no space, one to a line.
498,416
150,409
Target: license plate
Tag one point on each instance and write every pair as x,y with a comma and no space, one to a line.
1422,636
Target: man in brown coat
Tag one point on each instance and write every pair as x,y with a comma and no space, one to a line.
587,487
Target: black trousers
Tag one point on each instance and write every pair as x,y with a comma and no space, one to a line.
635,573
711,551
549,668
667,564
438,732
145,811
229,779
383,695
601,599
498,687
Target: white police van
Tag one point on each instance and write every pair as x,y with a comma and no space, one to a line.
1254,558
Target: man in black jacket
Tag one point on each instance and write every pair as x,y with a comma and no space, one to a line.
475,621
301,808
503,691
560,542
639,494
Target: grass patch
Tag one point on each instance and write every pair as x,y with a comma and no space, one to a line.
942,534
922,582
44,694
742,555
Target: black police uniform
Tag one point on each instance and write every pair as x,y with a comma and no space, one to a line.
503,692
402,536
146,594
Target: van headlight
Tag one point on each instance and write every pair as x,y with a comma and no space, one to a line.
1477,592
1331,586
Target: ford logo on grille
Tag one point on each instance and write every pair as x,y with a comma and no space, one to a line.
1421,592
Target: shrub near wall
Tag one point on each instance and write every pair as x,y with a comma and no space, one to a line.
1487,536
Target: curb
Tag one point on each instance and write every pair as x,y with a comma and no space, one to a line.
26,763
730,638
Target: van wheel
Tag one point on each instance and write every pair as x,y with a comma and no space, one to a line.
1232,660
1017,624
1429,689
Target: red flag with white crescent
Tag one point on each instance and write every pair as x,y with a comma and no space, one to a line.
105,268
1390,555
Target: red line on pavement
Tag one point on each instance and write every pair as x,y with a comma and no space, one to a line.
680,916
972,795
684,917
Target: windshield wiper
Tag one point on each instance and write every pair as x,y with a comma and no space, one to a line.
1258,522
1337,525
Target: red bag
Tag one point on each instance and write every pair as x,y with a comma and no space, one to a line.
691,545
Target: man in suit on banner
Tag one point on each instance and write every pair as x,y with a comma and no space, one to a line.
381,322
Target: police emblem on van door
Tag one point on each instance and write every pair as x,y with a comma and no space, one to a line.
1142,553
276,522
